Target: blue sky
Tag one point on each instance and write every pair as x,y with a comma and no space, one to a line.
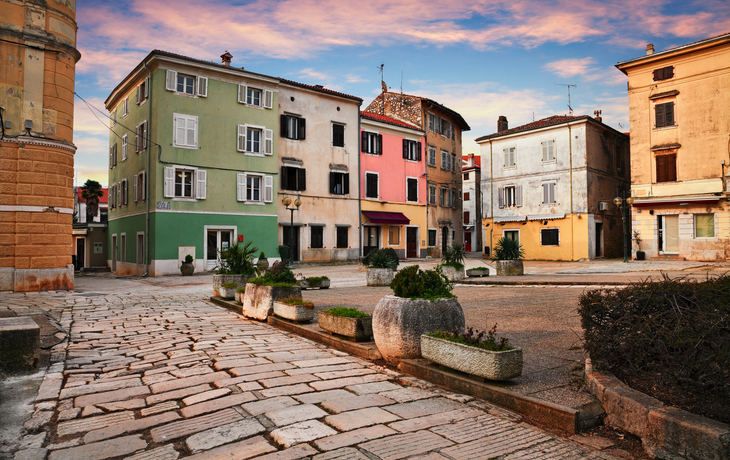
482,58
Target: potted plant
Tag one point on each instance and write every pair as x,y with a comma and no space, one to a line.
477,272
263,263
228,290
236,266
640,255
381,265
477,353
187,268
508,254
278,283
314,282
453,262
294,309
422,303
347,322
239,294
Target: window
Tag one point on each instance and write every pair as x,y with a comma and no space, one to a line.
411,189
442,196
124,147
293,178
338,135
548,192
125,192
186,131
466,196
339,183
185,84
342,237
254,188
434,123
432,194
664,114
548,151
140,248
393,236
185,183
253,96
510,196
140,137
466,176
666,168
432,237
704,225
432,156
371,185
453,162
514,235
445,128
445,160
550,236
466,218
451,198
317,238
113,156
411,150
125,107
372,143
293,127
143,91
509,157
138,194
664,73
255,140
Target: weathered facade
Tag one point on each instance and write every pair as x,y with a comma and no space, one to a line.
472,204
680,162
38,58
550,185
442,127
318,163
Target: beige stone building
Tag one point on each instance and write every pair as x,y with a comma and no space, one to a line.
38,59
680,150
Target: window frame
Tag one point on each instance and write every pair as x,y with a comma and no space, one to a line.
377,183
551,144
319,238
445,160
299,133
372,143
250,96
193,79
408,200
512,156
432,156
175,118
668,177
510,196
300,178
432,195
551,229
665,124
344,182
553,190
432,232
398,228
125,144
342,230
343,126
411,150
694,226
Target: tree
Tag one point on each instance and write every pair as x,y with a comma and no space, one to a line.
91,192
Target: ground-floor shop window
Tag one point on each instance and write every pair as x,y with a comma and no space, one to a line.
704,225
317,237
393,236
432,237
550,236
342,237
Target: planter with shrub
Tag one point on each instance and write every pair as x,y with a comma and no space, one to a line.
187,268
314,282
294,309
476,353
422,303
381,265
278,283
453,262
640,255
477,272
236,266
228,290
239,294
347,322
263,263
507,256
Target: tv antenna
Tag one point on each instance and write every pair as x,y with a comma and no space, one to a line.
382,83
574,86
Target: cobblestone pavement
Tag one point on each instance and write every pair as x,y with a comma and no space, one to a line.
164,374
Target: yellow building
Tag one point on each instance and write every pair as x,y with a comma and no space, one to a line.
37,72
680,150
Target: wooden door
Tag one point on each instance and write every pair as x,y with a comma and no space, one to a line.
411,242
467,241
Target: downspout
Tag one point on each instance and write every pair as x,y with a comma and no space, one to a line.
147,174
570,169
491,197
359,179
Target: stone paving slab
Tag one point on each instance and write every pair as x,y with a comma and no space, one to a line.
101,450
224,434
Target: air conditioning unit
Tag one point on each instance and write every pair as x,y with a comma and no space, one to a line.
603,206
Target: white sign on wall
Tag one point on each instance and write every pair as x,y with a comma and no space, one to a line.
98,247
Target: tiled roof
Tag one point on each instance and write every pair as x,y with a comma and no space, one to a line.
319,88
659,53
549,121
386,119
456,115
477,161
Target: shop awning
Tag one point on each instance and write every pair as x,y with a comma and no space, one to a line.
393,218
546,217
510,219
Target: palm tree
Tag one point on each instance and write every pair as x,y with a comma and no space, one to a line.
91,192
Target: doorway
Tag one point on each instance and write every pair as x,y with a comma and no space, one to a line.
599,239
216,241
114,253
372,239
669,234
288,230
411,242
467,241
444,239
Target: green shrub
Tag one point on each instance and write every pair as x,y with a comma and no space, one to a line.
229,285
279,275
508,249
316,280
262,255
296,301
456,265
238,260
241,289
414,283
382,258
188,259
487,340
347,312
454,256
480,268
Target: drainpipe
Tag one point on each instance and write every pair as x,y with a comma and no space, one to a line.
359,180
147,174
570,169
491,197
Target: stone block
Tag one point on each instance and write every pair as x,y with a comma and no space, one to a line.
300,413
224,434
237,451
20,341
100,450
354,437
347,421
258,301
492,365
302,432
7,279
360,329
379,276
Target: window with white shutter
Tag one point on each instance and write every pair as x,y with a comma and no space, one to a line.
268,142
509,157
548,151
169,191
186,131
143,135
268,99
253,188
135,188
171,80
431,156
125,107
548,192
268,189
202,178
124,147
203,86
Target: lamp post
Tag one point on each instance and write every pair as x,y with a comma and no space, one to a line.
287,201
624,205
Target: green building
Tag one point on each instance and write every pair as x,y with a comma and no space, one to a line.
192,163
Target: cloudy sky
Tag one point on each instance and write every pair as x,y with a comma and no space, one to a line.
482,58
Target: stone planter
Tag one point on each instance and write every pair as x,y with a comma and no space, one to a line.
640,255
306,284
239,296
187,268
398,324
360,329
492,365
475,273
240,281
262,265
510,268
227,293
453,273
258,301
298,313
380,276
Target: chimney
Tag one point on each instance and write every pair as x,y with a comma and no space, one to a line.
649,49
226,58
502,124
597,113
470,160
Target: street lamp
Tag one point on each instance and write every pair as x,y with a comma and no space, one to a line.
287,201
624,206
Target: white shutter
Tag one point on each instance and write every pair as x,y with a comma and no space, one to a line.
171,80
169,191
241,138
268,142
203,86
139,96
241,187
268,189
202,179
268,99
142,185
179,123
518,196
111,156
134,195
126,192
545,194
146,87
192,132
242,94
500,200
136,140
143,132
119,194
553,192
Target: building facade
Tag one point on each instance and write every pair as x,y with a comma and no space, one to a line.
318,139
38,59
550,184
393,191
680,162
90,232
442,129
471,168
193,164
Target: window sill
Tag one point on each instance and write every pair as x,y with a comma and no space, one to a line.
412,161
338,147
190,200
664,128
372,154
189,147
185,94
372,198
550,162
253,154
255,203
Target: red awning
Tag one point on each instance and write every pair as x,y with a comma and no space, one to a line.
395,218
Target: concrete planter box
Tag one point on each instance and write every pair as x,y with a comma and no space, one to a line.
187,268
360,329
239,296
227,293
492,365
240,281
258,301
510,268
380,276
20,343
453,273
474,273
306,284
299,313
398,324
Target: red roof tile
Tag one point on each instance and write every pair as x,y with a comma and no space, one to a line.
549,121
386,119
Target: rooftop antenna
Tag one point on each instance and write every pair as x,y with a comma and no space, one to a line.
401,82
385,88
574,86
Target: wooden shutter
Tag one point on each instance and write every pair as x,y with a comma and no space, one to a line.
202,179
346,185
135,188
171,80
518,196
268,142
302,128
146,88
241,138
284,178
179,130
405,149
144,135
332,182
268,99
418,157
115,154
111,156
242,93
545,194
659,113
169,191
364,142
500,200
268,189
379,147
136,140
203,86
669,114
142,189
283,126
192,132
139,95
241,187
119,194
301,179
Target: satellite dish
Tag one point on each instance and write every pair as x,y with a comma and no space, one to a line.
385,87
